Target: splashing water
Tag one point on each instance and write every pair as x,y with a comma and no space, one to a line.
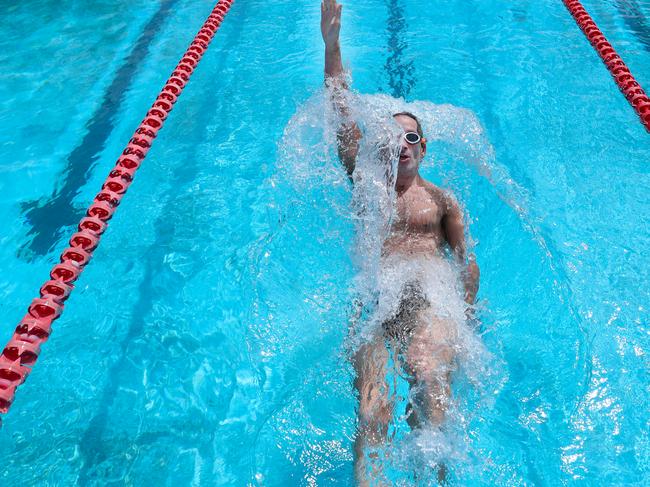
314,196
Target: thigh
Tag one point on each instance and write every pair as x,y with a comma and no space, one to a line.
431,351
370,364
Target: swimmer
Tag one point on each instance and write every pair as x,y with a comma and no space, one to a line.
422,325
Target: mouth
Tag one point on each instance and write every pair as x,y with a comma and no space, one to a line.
404,158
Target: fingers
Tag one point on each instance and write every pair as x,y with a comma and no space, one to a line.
330,13
328,5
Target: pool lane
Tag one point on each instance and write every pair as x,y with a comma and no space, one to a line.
199,367
46,217
636,20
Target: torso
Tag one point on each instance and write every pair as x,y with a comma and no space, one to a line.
417,228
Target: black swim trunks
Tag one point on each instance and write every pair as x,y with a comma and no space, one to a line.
412,300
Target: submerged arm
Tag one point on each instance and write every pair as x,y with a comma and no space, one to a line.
348,134
452,224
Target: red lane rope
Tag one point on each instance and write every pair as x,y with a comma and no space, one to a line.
619,70
21,352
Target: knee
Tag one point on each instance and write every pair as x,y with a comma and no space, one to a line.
429,402
374,404
374,414
431,390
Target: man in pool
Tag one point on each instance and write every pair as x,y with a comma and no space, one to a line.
428,221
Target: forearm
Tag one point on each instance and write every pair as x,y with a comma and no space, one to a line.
471,276
348,133
335,78
454,230
333,63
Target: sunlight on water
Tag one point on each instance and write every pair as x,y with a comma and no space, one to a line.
210,340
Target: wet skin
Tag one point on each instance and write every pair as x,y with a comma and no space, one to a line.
428,221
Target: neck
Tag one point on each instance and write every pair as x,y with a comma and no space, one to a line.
404,182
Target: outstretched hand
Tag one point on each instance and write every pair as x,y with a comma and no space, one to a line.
330,21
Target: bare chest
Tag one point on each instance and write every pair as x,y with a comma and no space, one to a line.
418,213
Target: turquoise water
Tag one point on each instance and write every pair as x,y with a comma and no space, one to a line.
205,342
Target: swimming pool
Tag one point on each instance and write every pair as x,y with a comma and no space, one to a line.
204,343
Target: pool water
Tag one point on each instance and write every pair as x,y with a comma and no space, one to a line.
206,342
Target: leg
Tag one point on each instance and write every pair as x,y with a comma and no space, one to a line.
375,405
429,361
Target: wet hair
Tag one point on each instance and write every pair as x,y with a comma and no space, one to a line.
410,115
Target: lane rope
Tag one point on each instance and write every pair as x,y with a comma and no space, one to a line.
619,70
21,352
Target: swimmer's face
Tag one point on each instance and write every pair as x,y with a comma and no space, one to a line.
410,154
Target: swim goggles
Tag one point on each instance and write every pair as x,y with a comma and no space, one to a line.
412,137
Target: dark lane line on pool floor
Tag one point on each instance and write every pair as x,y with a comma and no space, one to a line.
401,75
635,20
49,216
96,443
93,446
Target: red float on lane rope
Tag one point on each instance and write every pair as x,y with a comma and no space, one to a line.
20,354
622,75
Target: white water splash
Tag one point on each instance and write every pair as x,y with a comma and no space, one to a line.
321,194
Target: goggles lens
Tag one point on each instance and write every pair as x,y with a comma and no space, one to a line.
412,137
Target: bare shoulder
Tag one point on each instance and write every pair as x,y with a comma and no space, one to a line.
443,198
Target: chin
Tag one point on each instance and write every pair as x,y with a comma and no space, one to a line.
407,164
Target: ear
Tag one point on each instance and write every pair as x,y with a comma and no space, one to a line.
423,143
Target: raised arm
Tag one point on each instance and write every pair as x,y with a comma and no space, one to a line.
452,224
348,134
